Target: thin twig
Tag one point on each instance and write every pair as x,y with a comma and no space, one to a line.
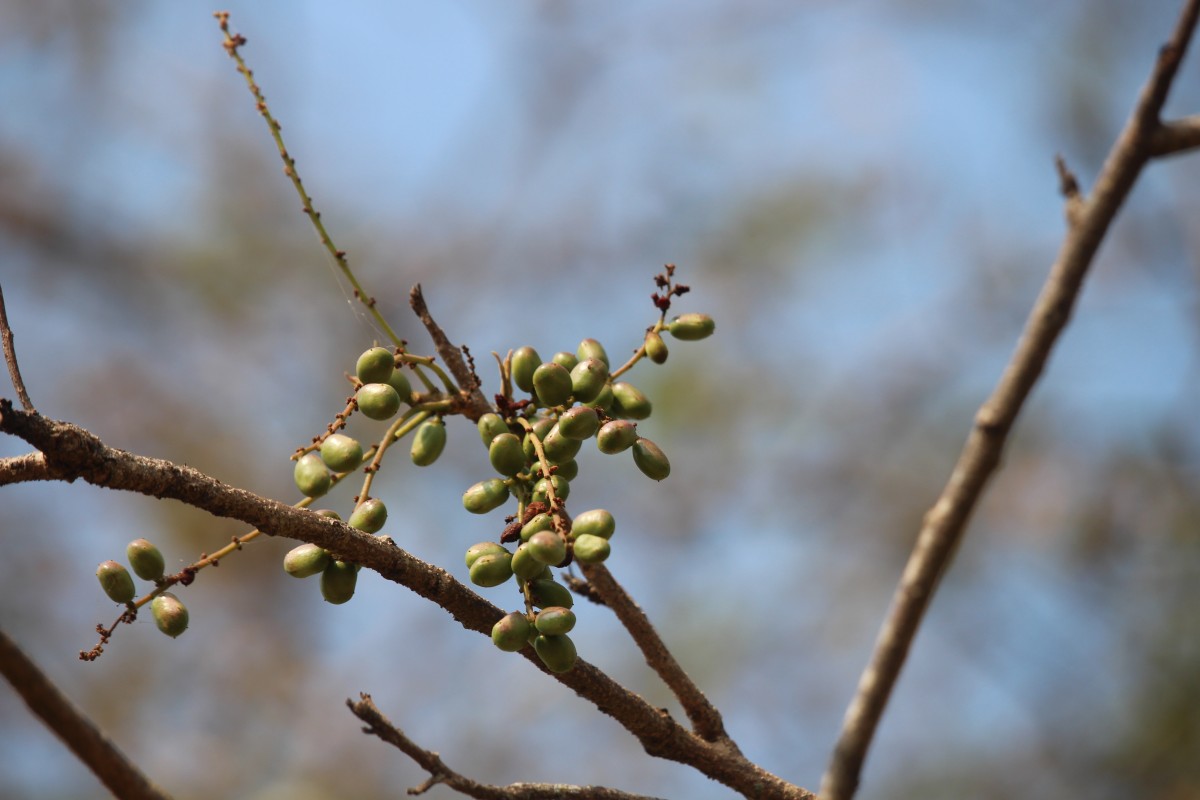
943,526
73,453
10,357
705,718
476,405
80,734
379,725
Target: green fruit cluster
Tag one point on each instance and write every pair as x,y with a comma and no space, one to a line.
147,563
338,578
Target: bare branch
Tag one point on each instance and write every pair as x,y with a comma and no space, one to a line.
1177,136
705,718
10,357
378,725
468,381
78,732
943,526
21,469
73,453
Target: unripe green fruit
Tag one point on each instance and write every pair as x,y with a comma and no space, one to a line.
568,470
548,592
378,401
558,448
492,569
490,426
590,348
540,522
692,327
428,442
656,348
555,621
399,382
341,453
338,582
525,360
541,429
115,581
590,549
511,632
370,516
552,382
579,422
596,522
328,513
482,549
375,365
541,490
305,561
170,614
146,560
588,379
556,652
565,360
547,547
311,477
506,454
616,436
651,460
485,496
604,400
628,401
524,565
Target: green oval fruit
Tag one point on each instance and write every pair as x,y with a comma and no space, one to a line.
588,379
328,513
590,348
596,522
548,592
651,460
628,401
565,360
506,454
656,348
579,422
604,400
492,569
482,549
568,470
399,382
428,442
170,615
341,453
692,327
590,549
540,522
525,360
490,426
375,365
369,516
378,401
552,382
616,436
541,429
338,582
555,621
115,581
558,448
485,496
146,560
547,547
556,652
305,561
541,490
511,632
524,565
311,477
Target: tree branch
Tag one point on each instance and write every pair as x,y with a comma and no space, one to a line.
1174,137
21,469
78,732
73,453
378,725
468,381
10,357
943,526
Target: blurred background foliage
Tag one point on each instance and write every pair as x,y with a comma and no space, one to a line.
861,193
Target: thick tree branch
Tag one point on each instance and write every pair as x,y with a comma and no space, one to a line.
705,718
20,469
78,732
944,524
73,453
378,725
